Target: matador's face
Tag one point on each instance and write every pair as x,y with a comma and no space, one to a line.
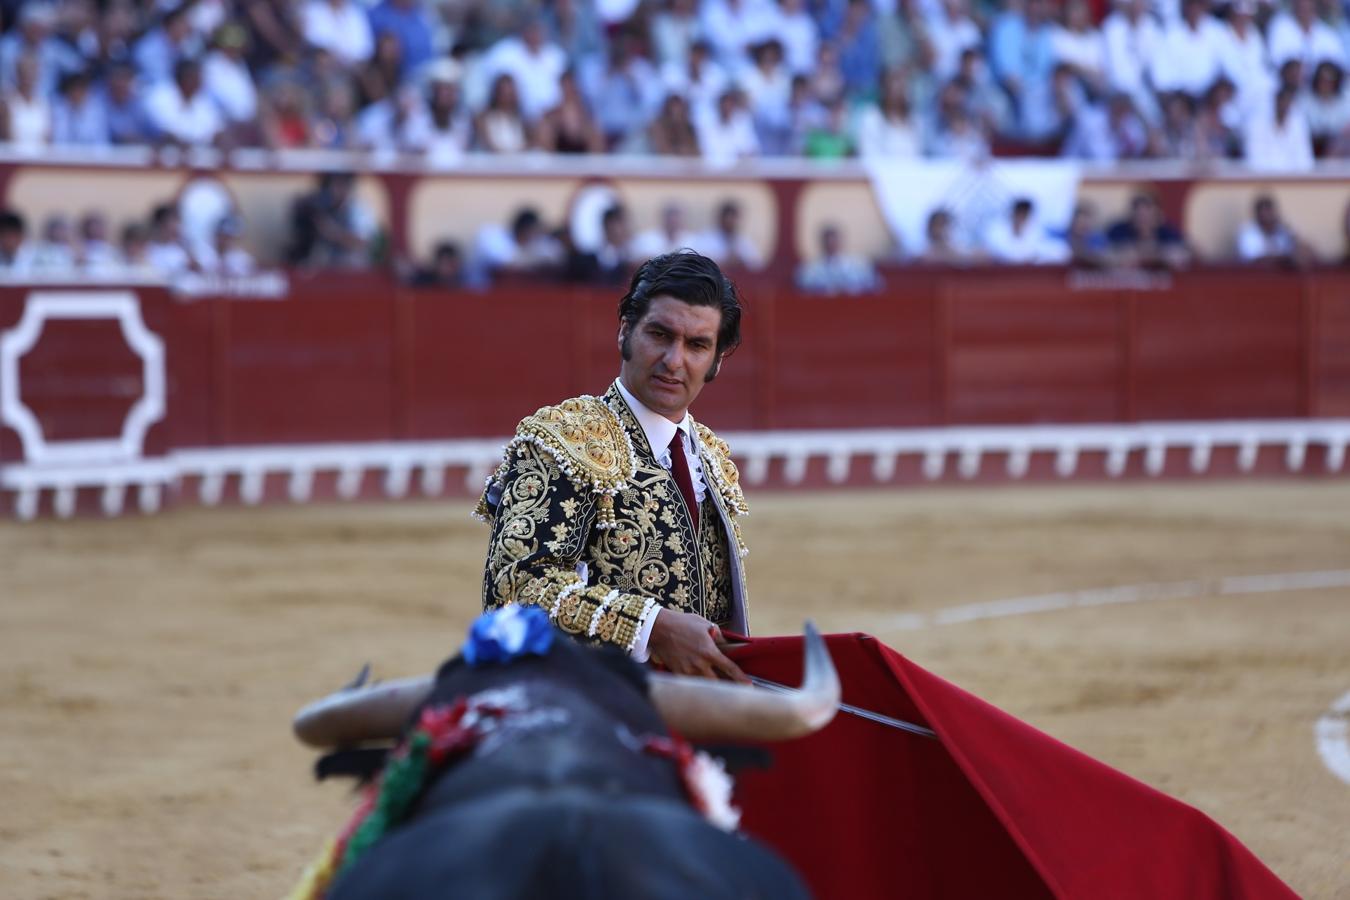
669,353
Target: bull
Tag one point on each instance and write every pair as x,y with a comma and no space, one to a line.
544,768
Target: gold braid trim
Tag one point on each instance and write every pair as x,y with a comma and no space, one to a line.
726,476
597,611
587,442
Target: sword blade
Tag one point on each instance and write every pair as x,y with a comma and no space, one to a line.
858,711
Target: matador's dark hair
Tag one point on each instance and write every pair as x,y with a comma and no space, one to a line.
692,278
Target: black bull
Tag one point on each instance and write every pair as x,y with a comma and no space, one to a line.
563,798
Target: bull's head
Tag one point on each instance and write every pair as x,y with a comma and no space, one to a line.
697,708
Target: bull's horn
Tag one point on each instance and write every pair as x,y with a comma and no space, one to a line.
706,710
361,713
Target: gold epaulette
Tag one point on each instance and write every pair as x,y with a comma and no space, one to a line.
587,442
726,476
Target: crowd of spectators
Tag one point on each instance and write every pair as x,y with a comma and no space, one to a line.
721,79
155,247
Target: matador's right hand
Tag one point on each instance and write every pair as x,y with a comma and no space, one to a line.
686,644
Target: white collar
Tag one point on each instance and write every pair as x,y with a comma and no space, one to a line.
658,429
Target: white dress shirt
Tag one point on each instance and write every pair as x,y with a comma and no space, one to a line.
658,431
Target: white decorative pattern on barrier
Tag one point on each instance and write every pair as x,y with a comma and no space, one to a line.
120,306
425,463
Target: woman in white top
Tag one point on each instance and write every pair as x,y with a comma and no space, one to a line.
501,127
27,119
888,129
1326,104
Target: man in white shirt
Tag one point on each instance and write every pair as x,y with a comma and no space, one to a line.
671,236
181,112
1020,239
1268,238
1191,54
533,63
727,134
1132,37
834,272
1280,142
618,515
341,27
726,244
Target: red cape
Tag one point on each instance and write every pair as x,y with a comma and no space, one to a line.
993,808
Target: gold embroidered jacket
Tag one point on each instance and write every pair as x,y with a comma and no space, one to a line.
589,526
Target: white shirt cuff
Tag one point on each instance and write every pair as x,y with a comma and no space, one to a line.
640,653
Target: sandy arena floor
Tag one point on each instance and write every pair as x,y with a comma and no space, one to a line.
150,666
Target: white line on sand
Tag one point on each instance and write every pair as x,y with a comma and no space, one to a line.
1189,589
1332,730
1333,738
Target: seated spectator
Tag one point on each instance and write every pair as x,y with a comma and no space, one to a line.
340,27
985,101
1192,52
446,269
830,138
331,227
767,84
626,92
55,254
1216,139
136,252
674,29
380,76
1268,238
728,134
800,37
25,113
1022,53
940,245
34,37
501,128
413,29
1299,34
285,117
1327,105
1132,38
165,249
671,236
97,254
1178,138
226,80
960,137
700,80
443,130
1088,247
951,32
526,247
1247,61
158,53
1021,239
672,132
1106,135
733,26
827,80
1145,239
725,244
569,127
888,130
534,64
859,47
834,272
805,113
181,112
1079,45
79,118
615,257
1279,142
399,122
127,119
334,124
16,255
226,254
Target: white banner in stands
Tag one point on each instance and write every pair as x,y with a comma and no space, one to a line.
976,194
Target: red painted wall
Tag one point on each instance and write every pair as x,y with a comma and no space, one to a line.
347,359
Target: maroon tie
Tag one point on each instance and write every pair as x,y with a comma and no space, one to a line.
679,467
